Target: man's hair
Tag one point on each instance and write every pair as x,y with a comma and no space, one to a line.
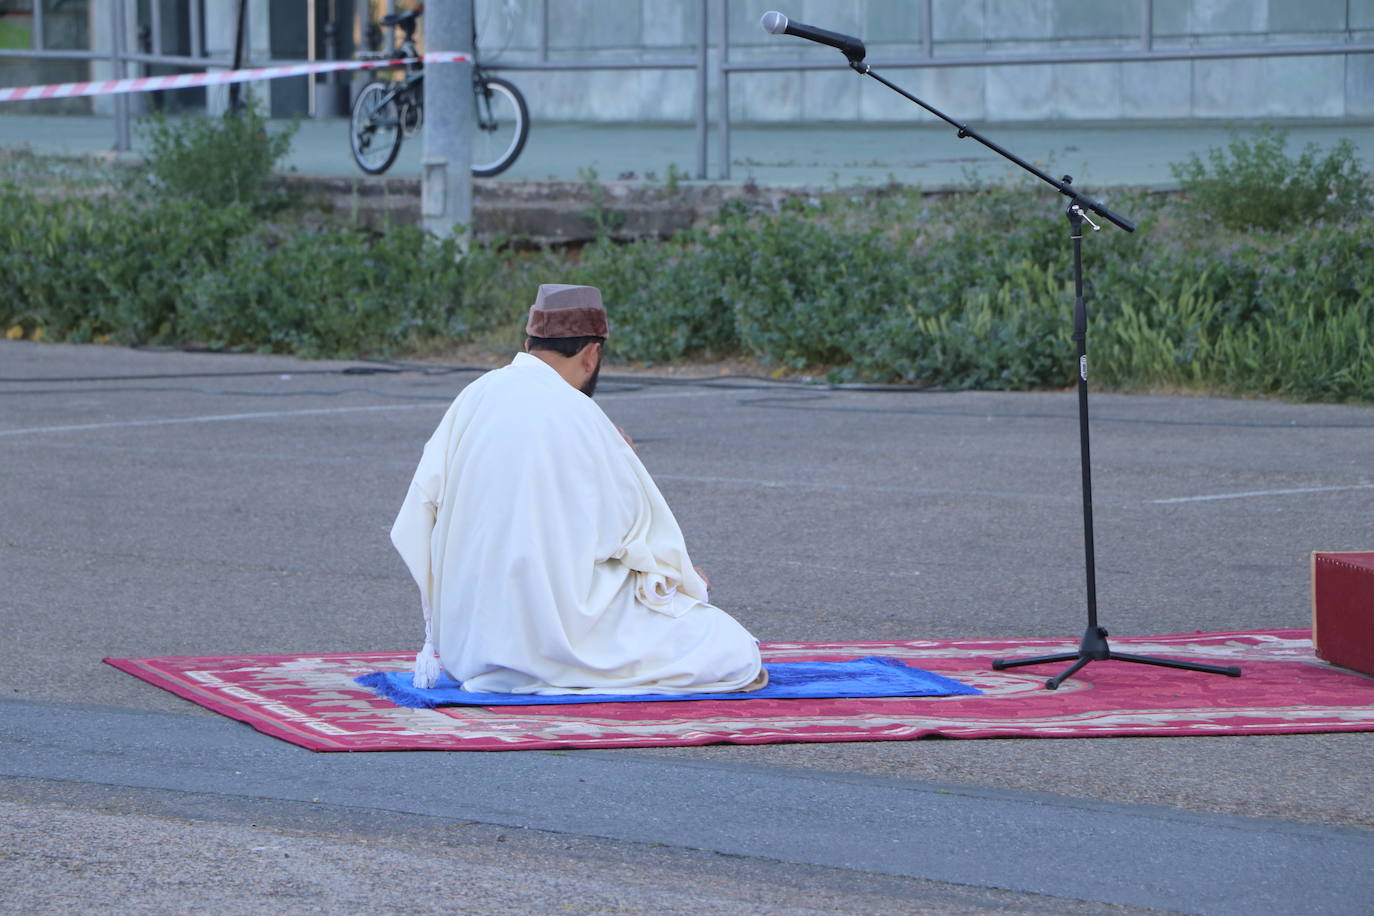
565,346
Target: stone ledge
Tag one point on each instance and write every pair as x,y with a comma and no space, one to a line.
547,212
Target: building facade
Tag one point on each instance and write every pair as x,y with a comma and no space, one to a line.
655,45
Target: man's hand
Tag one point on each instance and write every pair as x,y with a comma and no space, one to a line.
705,578
626,436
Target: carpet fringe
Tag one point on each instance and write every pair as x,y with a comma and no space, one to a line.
379,682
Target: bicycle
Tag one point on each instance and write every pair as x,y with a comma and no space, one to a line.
385,111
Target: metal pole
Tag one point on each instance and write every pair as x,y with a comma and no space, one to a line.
544,31
927,30
723,89
195,9
446,177
123,142
197,28
155,26
36,40
332,106
240,26
1080,336
1147,24
311,54
703,42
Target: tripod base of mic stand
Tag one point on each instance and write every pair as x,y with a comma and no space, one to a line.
1094,648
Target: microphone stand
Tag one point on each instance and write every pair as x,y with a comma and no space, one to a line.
1093,646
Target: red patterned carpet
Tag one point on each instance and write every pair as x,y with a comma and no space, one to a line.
311,700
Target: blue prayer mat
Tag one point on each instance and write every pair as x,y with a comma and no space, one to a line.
874,676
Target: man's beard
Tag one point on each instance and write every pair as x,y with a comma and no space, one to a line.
589,386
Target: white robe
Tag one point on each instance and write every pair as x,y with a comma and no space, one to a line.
547,560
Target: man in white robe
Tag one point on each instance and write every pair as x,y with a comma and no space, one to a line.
547,560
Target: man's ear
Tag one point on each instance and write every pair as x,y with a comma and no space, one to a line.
527,345
590,354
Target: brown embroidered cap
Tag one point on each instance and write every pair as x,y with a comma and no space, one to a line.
561,310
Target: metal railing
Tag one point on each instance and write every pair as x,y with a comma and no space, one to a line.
927,60
710,11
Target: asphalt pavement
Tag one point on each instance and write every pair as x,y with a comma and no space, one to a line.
173,503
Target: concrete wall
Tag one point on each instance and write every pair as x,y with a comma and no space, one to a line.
1294,87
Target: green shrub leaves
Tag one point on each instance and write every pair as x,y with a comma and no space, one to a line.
218,161
1255,184
967,291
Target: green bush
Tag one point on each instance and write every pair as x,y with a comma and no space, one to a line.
667,298
1257,185
86,268
1288,316
217,161
800,288
340,293
177,271
968,291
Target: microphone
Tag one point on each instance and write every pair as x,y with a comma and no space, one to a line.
776,23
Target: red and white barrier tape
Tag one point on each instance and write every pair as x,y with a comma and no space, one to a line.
211,78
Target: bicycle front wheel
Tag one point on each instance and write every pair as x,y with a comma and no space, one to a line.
501,123
375,127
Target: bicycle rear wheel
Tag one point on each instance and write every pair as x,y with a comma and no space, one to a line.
374,131
501,124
